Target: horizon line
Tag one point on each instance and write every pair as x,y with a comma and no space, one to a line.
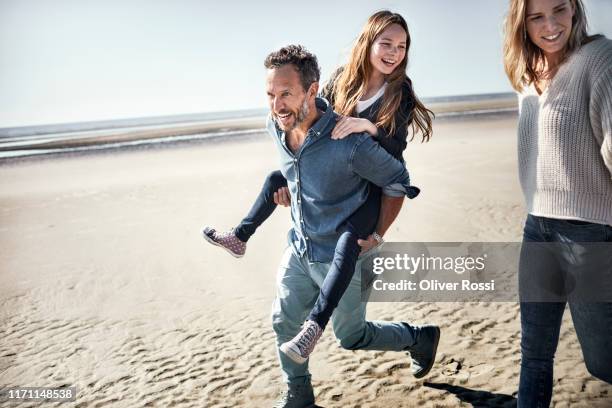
443,104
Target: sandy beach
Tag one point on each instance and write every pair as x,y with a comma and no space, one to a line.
107,285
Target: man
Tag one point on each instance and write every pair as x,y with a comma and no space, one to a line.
327,181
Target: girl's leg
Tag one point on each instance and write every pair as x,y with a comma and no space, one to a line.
262,208
358,226
234,241
337,279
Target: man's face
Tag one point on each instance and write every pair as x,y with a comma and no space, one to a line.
287,98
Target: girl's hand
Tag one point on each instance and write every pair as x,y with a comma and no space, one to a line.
347,125
367,244
282,197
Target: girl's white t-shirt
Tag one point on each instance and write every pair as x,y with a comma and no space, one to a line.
363,105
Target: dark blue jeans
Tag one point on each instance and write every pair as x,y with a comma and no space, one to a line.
541,321
359,225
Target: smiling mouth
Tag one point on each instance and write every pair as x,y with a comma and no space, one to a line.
388,62
283,116
552,37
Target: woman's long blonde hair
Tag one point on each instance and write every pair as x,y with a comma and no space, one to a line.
352,82
522,58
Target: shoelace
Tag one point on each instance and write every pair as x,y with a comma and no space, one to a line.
307,341
224,236
221,235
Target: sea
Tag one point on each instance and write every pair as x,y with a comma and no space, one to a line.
156,131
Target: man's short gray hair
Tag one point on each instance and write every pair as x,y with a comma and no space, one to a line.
305,63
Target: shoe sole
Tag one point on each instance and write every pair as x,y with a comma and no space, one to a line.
292,354
435,351
215,243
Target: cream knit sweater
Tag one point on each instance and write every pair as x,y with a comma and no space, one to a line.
565,139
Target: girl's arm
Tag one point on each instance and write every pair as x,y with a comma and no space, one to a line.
389,210
396,143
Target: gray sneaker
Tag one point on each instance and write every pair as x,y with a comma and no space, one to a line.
226,240
296,396
423,353
299,348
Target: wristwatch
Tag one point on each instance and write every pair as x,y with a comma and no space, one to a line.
378,238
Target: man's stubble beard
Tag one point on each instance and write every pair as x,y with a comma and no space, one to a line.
301,116
302,113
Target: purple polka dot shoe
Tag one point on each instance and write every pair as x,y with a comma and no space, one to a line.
226,240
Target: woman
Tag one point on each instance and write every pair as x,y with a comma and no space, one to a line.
372,94
564,80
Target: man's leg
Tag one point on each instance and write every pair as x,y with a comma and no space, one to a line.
295,295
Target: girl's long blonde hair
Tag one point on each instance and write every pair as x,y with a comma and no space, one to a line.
352,82
522,58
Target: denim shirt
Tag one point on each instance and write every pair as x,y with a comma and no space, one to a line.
328,181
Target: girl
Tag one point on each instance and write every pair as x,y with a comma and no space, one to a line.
564,80
373,95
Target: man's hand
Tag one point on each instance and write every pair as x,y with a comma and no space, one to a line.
282,197
367,244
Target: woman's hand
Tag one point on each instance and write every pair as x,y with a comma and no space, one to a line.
347,125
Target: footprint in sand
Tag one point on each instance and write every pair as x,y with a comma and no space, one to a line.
457,369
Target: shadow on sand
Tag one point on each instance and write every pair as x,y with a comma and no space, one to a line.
478,399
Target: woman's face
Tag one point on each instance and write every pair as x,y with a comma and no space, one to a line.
549,24
388,49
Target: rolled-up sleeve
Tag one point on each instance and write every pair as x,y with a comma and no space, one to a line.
371,162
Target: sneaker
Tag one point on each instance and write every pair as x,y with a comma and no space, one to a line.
299,348
296,396
423,353
226,240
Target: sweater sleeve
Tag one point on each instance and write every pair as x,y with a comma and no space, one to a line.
601,115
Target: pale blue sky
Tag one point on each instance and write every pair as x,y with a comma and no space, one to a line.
76,60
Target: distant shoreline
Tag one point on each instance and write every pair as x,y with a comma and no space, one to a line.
50,139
